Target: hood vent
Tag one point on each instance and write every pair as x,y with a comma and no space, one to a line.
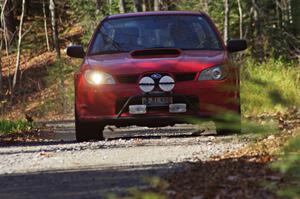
156,53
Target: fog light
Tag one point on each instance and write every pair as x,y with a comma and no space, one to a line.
177,108
137,109
166,83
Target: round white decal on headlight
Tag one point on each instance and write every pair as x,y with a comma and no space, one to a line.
147,84
166,83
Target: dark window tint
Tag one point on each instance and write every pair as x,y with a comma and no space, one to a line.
136,33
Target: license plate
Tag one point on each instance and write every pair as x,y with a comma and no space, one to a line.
157,101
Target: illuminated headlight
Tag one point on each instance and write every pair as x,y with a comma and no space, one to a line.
97,78
214,73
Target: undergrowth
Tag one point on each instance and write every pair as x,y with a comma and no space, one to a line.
269,87
60,71
7,126
288,164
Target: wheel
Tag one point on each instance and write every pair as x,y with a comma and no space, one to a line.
86,131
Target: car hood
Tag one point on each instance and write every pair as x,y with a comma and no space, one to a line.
187,61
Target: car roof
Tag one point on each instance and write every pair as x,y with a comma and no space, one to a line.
139,14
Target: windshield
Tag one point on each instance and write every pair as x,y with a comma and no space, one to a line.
169,31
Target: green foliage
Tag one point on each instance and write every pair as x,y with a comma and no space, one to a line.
288,165
61,69
157,184
258,129
271,86
230,121
7,126
60,72
85,12
136,194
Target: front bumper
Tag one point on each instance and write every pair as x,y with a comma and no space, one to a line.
109,103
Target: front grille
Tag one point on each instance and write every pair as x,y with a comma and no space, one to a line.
193,103
181,77
133,79
127,79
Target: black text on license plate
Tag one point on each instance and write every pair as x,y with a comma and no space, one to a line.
157,101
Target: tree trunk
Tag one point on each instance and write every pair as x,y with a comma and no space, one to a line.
258,37
98,6
58,55
156,5
226,20
54,29
9,20
279,15
122,6
17,68
290,12
241,18
6,43
1,43
45,25
110,7
144,5
138,6
1,77
205,6
295,7
149,5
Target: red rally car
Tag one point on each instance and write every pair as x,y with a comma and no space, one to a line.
155,69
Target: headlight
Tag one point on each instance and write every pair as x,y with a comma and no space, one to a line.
213,73
97,78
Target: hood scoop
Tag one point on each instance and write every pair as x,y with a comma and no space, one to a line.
155,53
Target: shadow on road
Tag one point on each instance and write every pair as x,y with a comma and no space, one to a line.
92,183
243,177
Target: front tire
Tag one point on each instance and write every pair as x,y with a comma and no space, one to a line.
86,131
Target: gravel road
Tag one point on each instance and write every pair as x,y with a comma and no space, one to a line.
61,168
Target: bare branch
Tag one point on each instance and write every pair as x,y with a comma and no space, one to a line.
17,68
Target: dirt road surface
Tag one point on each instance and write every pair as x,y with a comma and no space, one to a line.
61,168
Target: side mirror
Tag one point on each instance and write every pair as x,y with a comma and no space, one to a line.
75,51
236,45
